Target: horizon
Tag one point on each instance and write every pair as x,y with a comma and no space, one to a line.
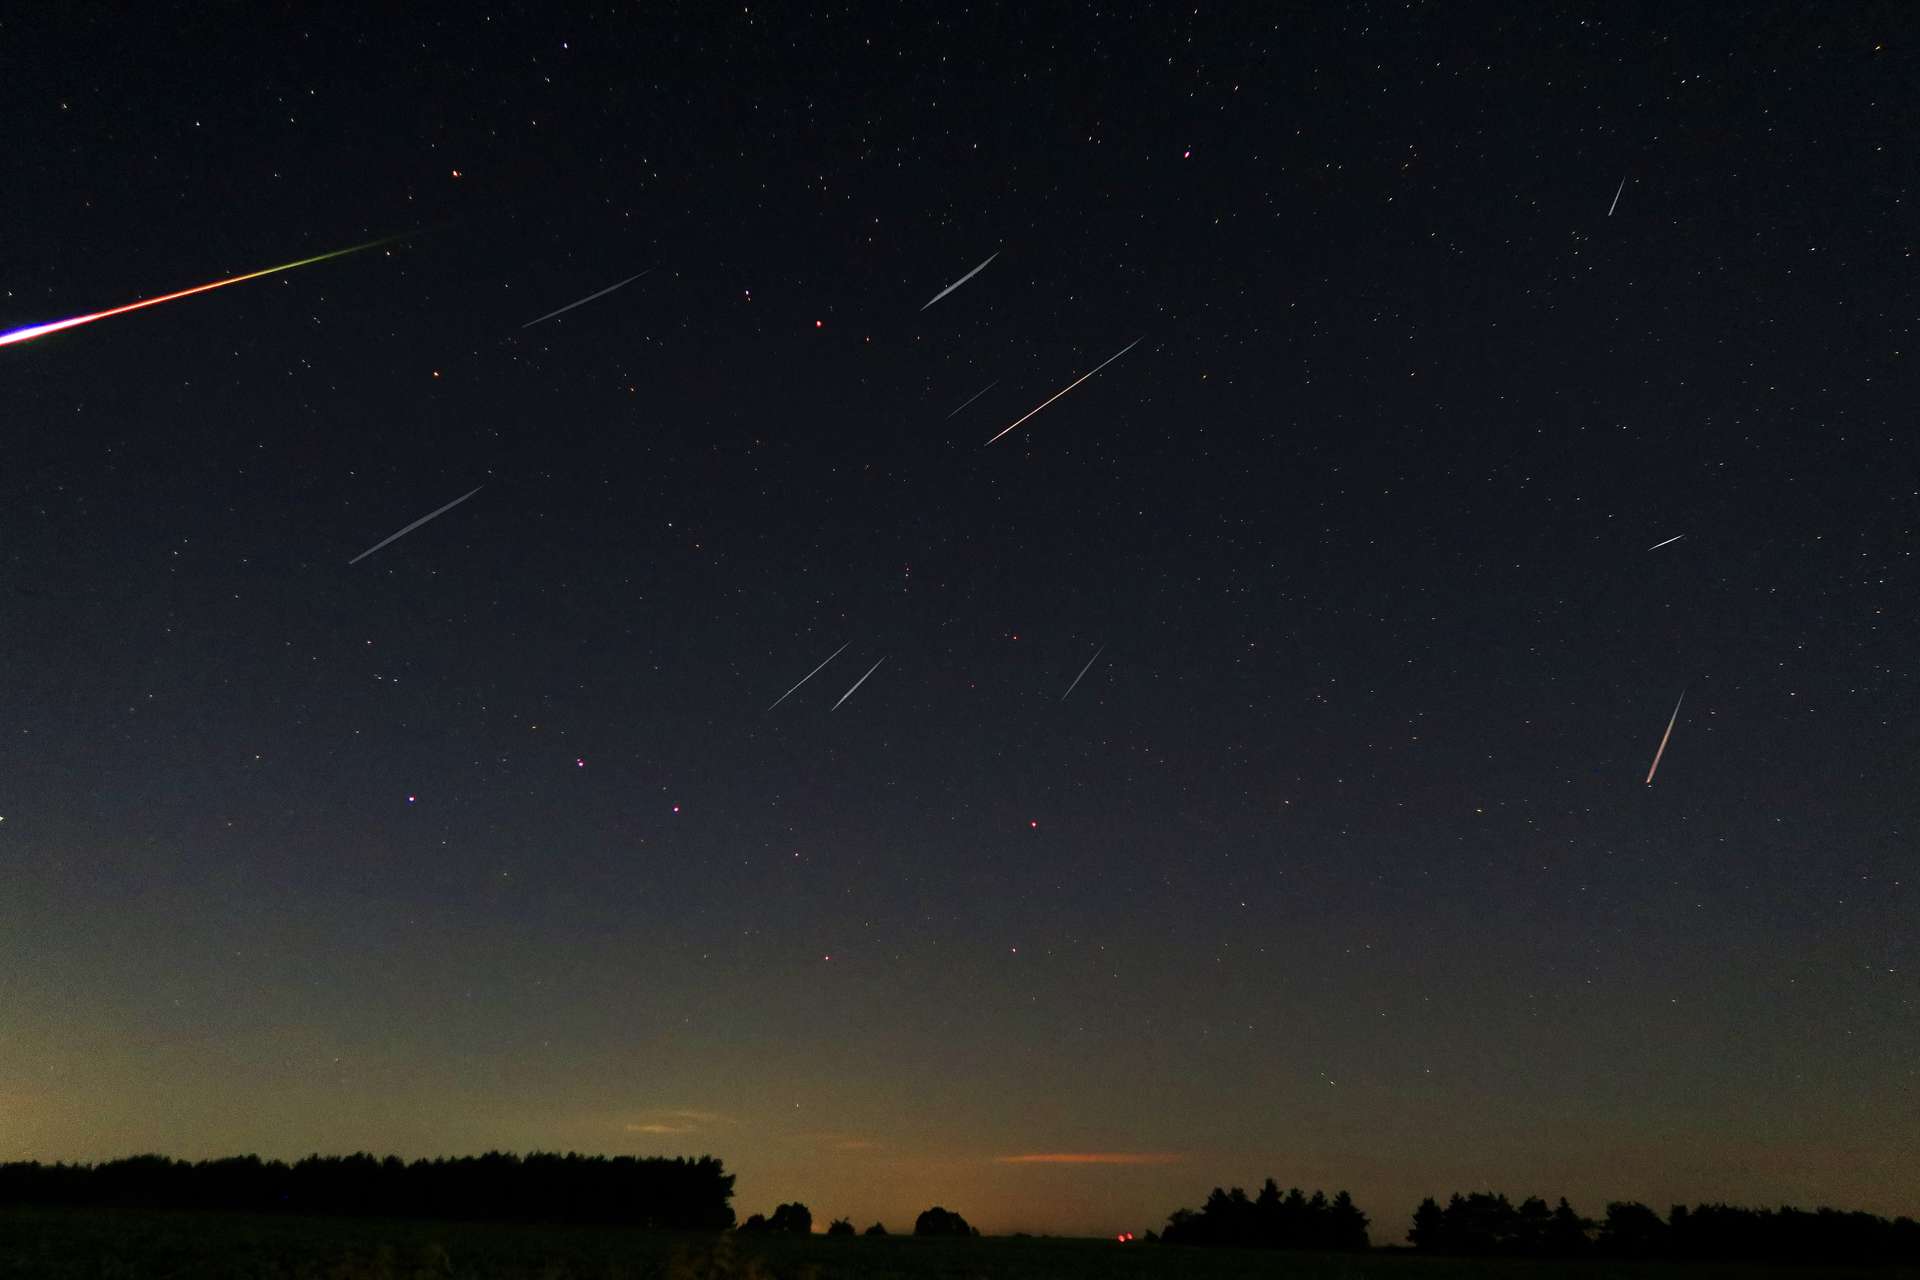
1191,1196
892,593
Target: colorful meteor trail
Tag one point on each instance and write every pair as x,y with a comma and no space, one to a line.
1663,737
1071,385
41,330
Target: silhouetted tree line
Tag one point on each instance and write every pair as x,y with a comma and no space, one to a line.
788,1219
1486,1223
678,1194
1270,1221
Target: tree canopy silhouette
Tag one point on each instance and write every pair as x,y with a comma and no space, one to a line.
1486,1223
678,1194
941,1222
1270,1221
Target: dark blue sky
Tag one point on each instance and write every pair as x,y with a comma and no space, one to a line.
1338,865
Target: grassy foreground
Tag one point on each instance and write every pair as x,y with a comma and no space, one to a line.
72,1244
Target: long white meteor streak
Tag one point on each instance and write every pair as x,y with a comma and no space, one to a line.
1663,737
1071,385
857,683
1083,673
1675,538
975,396
584,301
962,280
1616,195
810,675
416,524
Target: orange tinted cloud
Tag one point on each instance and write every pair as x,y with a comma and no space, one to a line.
1093,1157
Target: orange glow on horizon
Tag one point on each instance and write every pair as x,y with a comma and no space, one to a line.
1093,1157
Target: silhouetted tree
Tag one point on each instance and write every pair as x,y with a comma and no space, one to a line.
1429,1231
794,1219
754,1224
1482,1222
1631,1230
1293,1217
675,1194
1270,1221
1566,1233
940,1222
839,1227
877,1229
1530,1223
1478,1224
1347,1226
1266,1213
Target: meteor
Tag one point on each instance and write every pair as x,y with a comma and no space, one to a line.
810,675
975,396
1675,538
431,515
1071,385
1663,737
584,301
1616,196
962,280
857,683
41,330
1083,673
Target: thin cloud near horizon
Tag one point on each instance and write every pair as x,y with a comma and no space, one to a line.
675,1120
1093,1157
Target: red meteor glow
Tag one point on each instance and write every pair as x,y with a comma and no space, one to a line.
41,330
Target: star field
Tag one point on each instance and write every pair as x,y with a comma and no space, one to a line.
1339,862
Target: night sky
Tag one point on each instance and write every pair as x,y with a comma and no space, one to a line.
1339,863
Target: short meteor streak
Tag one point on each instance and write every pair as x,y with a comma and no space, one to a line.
584,301
1616,196
857,683
975,396
1083,673
1663,737
1071,385
41,330
810,675
1675,538
432,515
962,280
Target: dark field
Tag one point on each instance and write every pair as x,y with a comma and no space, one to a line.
70,1244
